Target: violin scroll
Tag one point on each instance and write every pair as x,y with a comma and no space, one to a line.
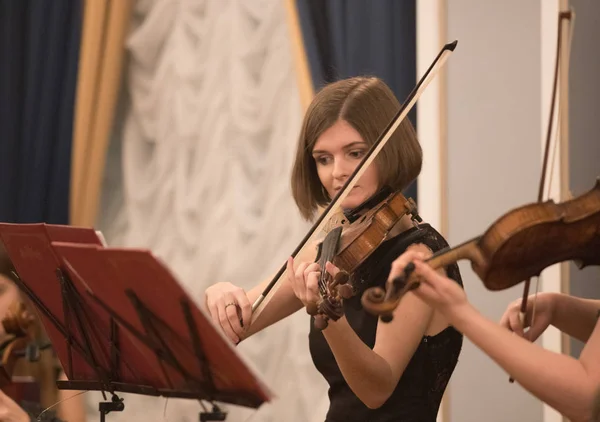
18,325
331,303
383,302
18,320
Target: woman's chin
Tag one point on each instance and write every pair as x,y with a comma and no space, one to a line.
353,202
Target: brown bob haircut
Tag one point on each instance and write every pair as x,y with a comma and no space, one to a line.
368,105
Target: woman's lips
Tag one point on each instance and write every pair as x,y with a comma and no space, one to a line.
336,190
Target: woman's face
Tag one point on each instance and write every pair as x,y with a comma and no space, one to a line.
337,152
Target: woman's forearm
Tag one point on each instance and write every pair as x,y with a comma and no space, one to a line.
575,316
367,374
572,388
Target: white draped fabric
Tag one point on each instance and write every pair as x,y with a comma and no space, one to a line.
199,174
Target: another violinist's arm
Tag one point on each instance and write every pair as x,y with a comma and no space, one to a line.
72,409
575,316
567,384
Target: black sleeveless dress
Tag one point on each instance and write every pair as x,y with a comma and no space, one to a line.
419,391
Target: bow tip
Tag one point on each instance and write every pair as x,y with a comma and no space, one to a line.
451,46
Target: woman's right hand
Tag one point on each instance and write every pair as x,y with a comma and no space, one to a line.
544,312
229,308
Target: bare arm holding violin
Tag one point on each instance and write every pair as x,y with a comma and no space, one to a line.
230,306
572,315
372,374
569,385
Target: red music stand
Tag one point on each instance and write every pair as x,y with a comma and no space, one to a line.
120,322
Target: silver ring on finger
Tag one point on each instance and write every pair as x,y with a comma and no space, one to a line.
230,304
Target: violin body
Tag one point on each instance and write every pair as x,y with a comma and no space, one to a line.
525,241
347,247
364,236
518,246
23,389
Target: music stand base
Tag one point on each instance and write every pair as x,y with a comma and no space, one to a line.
105,407
215,415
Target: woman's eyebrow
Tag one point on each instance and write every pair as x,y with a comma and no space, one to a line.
350,145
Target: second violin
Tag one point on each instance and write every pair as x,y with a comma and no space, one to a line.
518,246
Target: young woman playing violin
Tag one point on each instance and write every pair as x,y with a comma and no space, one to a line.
44,372
569,385
376,371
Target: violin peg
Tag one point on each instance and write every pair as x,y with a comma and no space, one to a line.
408,270
341,278
321,322
346,291
414,285
312,309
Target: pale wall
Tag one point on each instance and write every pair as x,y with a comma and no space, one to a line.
493,108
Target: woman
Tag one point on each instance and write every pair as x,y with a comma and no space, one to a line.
44,372
569,385
376,371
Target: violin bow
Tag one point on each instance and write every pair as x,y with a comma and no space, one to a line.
562,67
334,206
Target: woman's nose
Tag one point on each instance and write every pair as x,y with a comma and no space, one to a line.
340,169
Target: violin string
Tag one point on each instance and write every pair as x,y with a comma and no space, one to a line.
322,286
39,417
250,417
165,410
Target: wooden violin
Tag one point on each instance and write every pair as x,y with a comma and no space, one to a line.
20,330
348,245
517,247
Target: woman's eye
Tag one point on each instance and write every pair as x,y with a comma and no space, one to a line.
357,153
323,160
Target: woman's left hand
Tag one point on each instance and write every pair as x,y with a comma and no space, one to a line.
437,290
304,279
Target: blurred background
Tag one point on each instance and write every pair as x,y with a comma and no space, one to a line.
171,125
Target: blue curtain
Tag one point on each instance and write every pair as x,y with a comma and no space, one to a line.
39,53
345,38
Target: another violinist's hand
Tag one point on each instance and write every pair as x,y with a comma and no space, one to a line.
11,411
544,312
304,279
437,290
229,308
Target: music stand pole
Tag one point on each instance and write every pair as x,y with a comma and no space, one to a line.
105,407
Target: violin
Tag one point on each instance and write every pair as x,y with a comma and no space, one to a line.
515,248
20,329
347,247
